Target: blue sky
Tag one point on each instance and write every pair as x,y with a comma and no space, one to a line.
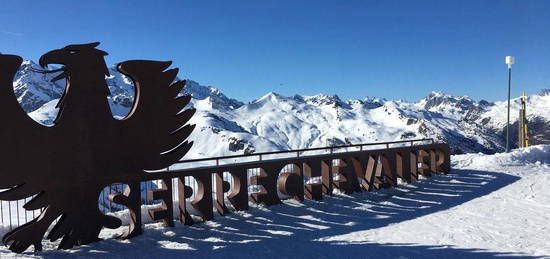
392,49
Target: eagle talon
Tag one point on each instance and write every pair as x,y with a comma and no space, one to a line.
19,242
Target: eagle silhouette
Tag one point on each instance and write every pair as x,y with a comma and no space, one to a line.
65,167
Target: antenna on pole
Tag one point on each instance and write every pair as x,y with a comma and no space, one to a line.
510,60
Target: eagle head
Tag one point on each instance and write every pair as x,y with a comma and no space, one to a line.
76,58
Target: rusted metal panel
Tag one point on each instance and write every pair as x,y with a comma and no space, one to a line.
184,192
267,180
203,201
292,183
222,187
239,192
423,162
166,210
131,198
403,166
311,169
327,176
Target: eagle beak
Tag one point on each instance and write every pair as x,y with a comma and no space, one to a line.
52,57
47,59
42,62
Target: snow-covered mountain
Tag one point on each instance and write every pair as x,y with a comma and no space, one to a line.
273,122
493,116
538,115
35,89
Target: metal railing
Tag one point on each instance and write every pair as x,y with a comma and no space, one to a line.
12,213
299,152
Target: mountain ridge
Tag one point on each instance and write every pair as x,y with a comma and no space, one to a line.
275,122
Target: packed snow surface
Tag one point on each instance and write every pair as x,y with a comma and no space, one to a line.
488,205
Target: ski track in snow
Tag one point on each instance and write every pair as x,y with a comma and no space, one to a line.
489,205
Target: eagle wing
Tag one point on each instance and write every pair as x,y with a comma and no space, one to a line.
155,130
21,139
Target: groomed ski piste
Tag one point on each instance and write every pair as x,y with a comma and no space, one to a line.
487,206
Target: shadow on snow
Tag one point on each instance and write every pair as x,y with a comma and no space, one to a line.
292,230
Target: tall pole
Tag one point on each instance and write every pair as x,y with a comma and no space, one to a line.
510,60
508,121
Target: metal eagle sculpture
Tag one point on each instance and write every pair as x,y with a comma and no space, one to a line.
65,167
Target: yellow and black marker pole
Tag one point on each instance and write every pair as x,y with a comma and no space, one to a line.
523,140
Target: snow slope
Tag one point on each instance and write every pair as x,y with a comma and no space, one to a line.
513,218
489,205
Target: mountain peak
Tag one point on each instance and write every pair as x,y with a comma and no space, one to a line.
322,99
371,102
271,96
437,94
217,98
437,98
28,63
